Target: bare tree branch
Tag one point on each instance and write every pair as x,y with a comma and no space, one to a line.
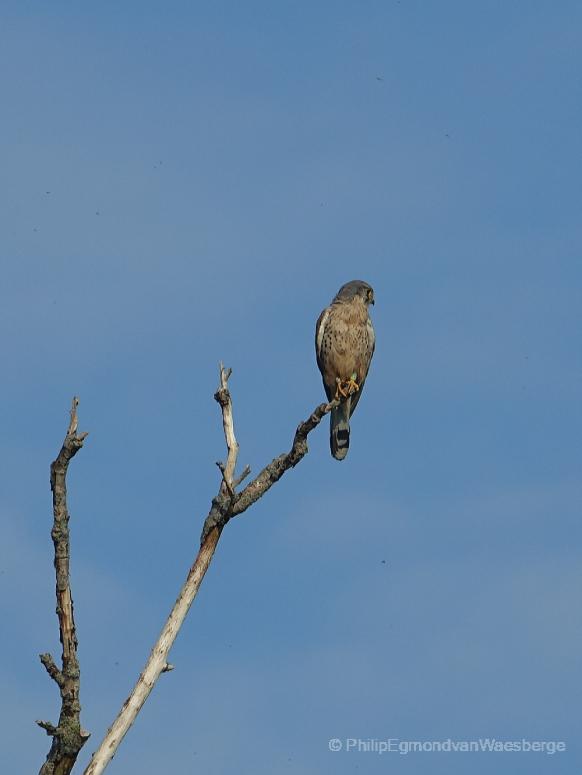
49,728
277,467
68,736
53,670
226,504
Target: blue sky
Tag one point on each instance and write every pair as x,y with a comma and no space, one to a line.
185,183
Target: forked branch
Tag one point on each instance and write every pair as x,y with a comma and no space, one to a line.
226,504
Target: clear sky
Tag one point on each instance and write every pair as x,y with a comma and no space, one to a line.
184,183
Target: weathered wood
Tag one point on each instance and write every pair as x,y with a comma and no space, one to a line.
68,736
226,504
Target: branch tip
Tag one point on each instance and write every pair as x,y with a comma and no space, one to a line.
49,728
52,669
245,472
74,419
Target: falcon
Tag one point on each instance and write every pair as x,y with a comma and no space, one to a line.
344,345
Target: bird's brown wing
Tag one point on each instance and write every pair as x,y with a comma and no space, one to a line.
319,354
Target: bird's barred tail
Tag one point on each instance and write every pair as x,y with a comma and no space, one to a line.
339,430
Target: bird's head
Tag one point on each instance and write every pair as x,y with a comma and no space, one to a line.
356,289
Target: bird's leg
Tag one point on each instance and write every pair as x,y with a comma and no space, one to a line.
339,391
346,388
351,386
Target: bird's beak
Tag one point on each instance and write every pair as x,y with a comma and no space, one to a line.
371,301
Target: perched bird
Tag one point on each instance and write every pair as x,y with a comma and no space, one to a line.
344,345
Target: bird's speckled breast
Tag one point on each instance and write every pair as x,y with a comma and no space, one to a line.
346,343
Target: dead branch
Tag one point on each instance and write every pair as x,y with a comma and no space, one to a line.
226,504
68,736
277,467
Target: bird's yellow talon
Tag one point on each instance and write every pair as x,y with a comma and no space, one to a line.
339,391
351,385
346,388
